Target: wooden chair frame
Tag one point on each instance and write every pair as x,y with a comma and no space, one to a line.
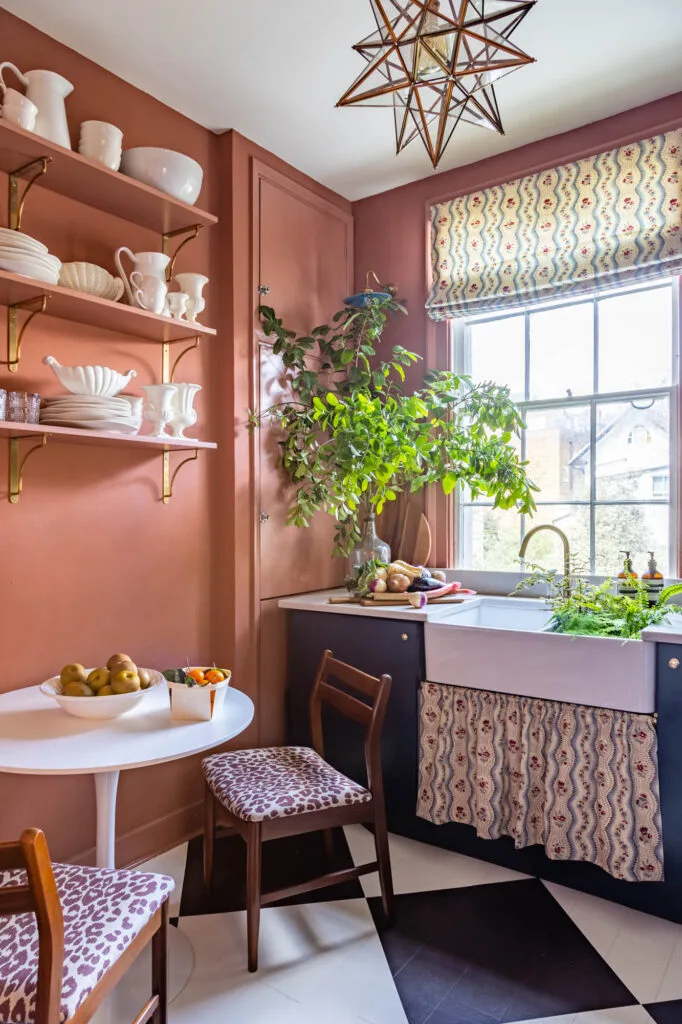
255,833
40,897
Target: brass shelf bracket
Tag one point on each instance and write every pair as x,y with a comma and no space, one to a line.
168,371
15,334
168,481
16,205
192,231
17,464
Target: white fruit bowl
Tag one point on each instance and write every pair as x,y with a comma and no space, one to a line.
92,280
173,173
90,380
99,707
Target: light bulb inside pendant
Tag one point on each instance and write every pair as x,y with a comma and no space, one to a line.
427,65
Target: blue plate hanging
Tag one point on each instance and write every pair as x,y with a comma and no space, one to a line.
362,299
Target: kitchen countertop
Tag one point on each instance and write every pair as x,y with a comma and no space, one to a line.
318,601
669,632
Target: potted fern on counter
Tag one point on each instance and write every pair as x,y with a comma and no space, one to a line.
351,439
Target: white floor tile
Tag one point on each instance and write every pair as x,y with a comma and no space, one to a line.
621,1015
170,863
418,867
318,961
639,947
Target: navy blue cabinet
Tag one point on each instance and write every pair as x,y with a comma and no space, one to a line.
669,707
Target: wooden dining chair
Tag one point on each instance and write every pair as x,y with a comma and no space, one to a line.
283,791
68,934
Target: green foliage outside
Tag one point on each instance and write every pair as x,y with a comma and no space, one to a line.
352,440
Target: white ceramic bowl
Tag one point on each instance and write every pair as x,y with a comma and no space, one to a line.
91,279
174,173
99,707
90,380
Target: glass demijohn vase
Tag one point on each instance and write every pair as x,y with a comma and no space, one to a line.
369,546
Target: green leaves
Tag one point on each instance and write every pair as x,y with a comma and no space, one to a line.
351,439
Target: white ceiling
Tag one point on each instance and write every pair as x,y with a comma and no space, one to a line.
273,70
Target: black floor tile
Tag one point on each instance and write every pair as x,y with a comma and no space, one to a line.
285,862
493,954
666,1013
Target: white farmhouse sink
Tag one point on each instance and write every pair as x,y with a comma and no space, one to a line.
503,644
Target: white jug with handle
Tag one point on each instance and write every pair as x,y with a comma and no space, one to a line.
145,264
48,91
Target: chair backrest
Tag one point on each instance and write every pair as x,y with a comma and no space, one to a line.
40,897
369,714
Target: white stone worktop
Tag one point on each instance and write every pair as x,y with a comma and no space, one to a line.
318,601
669,632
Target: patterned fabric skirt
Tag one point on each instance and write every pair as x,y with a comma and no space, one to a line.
580,781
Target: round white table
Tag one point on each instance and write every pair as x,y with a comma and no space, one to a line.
38,738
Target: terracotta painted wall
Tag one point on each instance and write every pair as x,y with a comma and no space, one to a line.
391,228
90,560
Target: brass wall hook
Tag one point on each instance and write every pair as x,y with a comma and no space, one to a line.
191,233
168,481
16,205
15,334
16,466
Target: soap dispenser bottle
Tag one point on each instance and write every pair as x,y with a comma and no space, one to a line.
653,580
626,576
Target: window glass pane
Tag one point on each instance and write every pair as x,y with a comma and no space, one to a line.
489,538
546,548
558,450
562,352
498,353
635,341
633,449
636,528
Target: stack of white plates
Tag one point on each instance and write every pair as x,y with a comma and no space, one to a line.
93,412
21,254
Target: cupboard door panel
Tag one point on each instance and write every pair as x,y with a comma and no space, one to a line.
304,260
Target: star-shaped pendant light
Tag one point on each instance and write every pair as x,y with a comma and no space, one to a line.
436,64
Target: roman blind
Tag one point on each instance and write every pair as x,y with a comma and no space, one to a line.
597,222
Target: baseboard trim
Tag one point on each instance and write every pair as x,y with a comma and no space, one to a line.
153,838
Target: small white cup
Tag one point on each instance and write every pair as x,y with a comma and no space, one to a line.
149,291
101,142
177,304
19,109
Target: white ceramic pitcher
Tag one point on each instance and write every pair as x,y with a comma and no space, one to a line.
48,91
145,264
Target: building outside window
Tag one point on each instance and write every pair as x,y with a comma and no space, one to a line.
597,380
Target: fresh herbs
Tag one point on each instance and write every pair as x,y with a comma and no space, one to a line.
586,609
352,440
359,581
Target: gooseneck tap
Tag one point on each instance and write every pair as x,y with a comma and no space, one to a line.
564,541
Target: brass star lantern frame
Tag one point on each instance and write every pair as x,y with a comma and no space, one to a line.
435,62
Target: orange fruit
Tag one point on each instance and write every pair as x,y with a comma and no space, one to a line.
198,676
214,675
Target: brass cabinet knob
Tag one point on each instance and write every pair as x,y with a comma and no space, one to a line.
674,663
264,517
404,636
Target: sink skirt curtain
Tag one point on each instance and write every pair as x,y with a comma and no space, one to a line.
580,781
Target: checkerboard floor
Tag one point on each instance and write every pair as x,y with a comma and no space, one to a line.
473,943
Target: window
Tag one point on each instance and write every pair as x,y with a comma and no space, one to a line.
597,381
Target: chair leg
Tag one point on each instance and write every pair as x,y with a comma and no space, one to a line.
209,836
253,886
384,859
160,968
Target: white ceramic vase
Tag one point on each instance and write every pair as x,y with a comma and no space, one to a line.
158,408
176,304
184,413
193,285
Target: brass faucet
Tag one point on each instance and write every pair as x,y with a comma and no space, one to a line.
567,551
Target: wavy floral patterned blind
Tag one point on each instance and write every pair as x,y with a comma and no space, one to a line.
595,223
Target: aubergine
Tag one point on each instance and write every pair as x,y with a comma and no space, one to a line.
424,584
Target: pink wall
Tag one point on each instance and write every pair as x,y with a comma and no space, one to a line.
391,227
90,560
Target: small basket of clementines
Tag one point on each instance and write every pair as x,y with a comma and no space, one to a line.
196,693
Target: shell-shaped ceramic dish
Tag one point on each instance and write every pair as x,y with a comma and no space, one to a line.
91,279
90,380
